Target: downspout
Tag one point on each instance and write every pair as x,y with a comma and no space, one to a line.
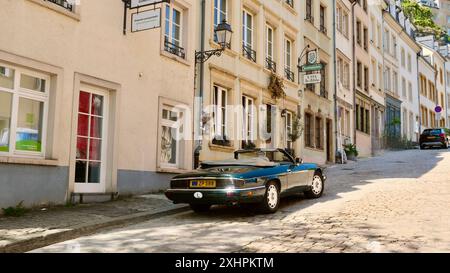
354,70
446,95
335,85
198,142
418,95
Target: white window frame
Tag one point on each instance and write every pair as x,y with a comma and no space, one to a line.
219,11
248,132
169,21
17,93
245,29
269,53
174,125
218,118
288,128
287,53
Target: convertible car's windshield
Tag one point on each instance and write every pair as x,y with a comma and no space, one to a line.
273,156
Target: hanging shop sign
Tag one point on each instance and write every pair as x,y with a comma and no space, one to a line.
311,67
149,19
312,78
312,57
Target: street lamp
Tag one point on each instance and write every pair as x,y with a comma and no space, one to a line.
223,33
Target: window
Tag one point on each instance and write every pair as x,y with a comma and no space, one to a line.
289,124
395,83
358,33
366,79
24,97
366,38
402,57
403,87
318,133
220,115
386,41
359,74
362,118
409,63
288,60
323,81
410,95
374,73
220,13
247,36
394,47
380,76
270,64
308,130
323,28
387,79
173,31
248,126
63,3
171,132
309,12
346,82
270,110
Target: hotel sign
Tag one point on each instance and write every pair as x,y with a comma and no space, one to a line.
312,78
146,20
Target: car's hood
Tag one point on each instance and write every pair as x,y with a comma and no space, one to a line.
219,171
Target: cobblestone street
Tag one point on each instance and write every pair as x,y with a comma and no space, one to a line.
398,202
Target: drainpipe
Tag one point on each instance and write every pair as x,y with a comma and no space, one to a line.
418,95
354,70
198,142
335,85
445,95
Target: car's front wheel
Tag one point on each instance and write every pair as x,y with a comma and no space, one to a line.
199,208
317,186
271,200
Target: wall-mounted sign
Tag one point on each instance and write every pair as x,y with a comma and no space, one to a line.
311,67
149,19
438,109
312,78
312,57
143,3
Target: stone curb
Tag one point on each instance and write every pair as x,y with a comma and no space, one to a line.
87,229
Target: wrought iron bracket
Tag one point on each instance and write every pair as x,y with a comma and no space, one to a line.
203,56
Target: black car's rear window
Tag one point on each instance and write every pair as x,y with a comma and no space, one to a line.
432,132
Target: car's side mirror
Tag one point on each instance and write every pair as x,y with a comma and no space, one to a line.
298,160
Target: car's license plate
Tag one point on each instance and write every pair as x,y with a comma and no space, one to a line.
430,137
203,184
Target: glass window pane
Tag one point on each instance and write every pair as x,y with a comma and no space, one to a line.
5,120
32,83
168,146
95,149
82,145
6,77
29,125
96,127
80,172
84,99
83,125
94,172
97,105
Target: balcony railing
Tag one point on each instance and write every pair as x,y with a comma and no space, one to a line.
323,29
323,92
62,3
290,3
309,18
271,65
174,49
289,74
249,53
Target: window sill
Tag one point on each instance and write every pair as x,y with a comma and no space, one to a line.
314,149
220,148
175,58
28,161
290,8
75,16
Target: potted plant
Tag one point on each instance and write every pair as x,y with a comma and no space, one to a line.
351,151
221,140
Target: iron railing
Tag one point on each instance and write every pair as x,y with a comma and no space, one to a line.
289,74
174,49
249,53
271,65
290,3
63,3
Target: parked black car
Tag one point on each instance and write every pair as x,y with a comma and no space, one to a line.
434,137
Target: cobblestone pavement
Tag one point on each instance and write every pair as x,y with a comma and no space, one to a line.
399,202
41,222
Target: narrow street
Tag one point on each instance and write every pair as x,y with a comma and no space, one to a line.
398,202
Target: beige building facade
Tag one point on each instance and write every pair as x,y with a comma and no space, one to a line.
87,109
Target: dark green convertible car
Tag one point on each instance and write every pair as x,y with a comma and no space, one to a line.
256,176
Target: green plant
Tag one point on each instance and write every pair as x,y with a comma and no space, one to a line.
297,128
350,149
276,87
422,17
16,211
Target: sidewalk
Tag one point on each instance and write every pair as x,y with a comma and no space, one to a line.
39,228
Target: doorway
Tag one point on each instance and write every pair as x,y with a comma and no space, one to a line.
329,143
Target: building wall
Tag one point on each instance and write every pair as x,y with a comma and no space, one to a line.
426,70
86,49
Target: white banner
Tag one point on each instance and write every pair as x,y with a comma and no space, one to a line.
146,20
312,78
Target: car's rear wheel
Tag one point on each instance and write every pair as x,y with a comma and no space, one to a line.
317,186
271,200
199,208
